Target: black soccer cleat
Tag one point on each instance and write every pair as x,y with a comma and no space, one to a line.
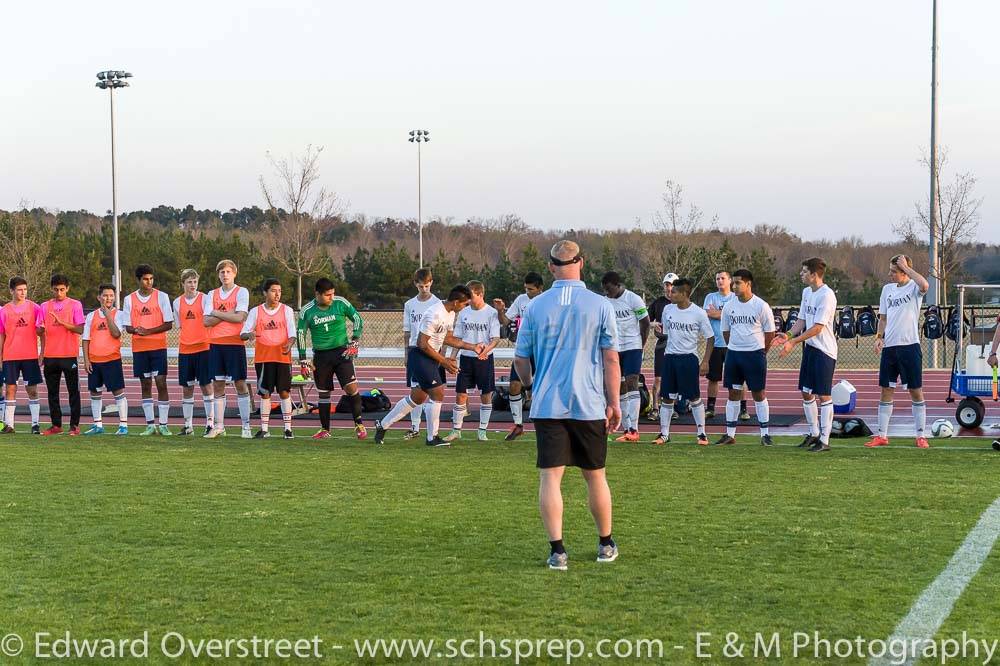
996,444
289,434
807,442
702,439
36,429
437,441
379,433
514,433
765,440
819,447
261,434
725,440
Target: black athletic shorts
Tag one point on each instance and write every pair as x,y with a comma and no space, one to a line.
273,377
330,362
562,442
715,363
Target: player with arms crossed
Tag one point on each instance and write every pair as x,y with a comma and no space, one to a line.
633,329
814,327
748,329
150,316
476,324
424,363
63,325
684,322
325,318
272,325
102,359
226,308
511,317
714,302
192,358
413,312
22,329
898,342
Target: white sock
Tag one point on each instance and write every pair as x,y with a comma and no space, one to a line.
147,410
286,412
811,411
825,421
884,414
624,404
208,403
96,406
243,402
164,410
9,412
399,410
433,418
635,402
220,411
265,412
516,408
763,415
415,414
698,412
187,408
458,414
920,418
485,412
34,408
666,415
122,402
732,415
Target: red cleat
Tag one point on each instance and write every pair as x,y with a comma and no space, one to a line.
74,431
54,430
629,436
322,434
360,431
877,440
922,443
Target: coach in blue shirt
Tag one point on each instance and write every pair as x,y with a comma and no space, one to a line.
572,335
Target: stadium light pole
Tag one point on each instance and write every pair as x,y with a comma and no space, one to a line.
934,291
418,137
109,80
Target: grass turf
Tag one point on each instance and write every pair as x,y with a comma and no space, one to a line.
347,541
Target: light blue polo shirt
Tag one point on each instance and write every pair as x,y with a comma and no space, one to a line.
717,300
564,330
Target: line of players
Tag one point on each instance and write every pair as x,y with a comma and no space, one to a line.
738,330
214,330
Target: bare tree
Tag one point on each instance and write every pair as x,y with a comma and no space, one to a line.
300,210
24,249
676,227
957,228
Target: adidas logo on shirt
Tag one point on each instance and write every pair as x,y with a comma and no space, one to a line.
271,325
222,307
190,315
102,326
145,311
21,322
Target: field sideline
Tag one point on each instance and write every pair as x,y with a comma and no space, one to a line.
344,540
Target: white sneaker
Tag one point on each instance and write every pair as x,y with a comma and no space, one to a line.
481,436
453,435
245,433
214,432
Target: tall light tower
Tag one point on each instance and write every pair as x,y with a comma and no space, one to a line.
934,293
109,80
418,137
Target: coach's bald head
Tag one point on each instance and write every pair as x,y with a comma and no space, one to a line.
565,260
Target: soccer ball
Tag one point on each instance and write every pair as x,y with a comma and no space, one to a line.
942,428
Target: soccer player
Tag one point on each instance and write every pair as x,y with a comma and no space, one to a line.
714,302
898,342
814,327
655,314
413,312
748,329
272,324
570,333
149,316
476,324
102,359
325,318
226,308
424,363
683,322
992,360
22,328
192,357
63,325
633,329
511,317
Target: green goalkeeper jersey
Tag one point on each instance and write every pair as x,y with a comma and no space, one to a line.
328,326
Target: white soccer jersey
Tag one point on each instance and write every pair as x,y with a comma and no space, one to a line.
436,323
250,323
413,313
475,326
516,309
630,309
177,304
747,323
242,299
901,307
120,320
820,307
162,300
684,327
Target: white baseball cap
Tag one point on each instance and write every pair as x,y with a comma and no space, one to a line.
671,278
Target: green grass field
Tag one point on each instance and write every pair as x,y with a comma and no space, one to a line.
340,539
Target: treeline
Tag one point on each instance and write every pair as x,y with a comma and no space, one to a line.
372,261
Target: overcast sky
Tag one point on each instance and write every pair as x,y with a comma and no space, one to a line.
801,113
